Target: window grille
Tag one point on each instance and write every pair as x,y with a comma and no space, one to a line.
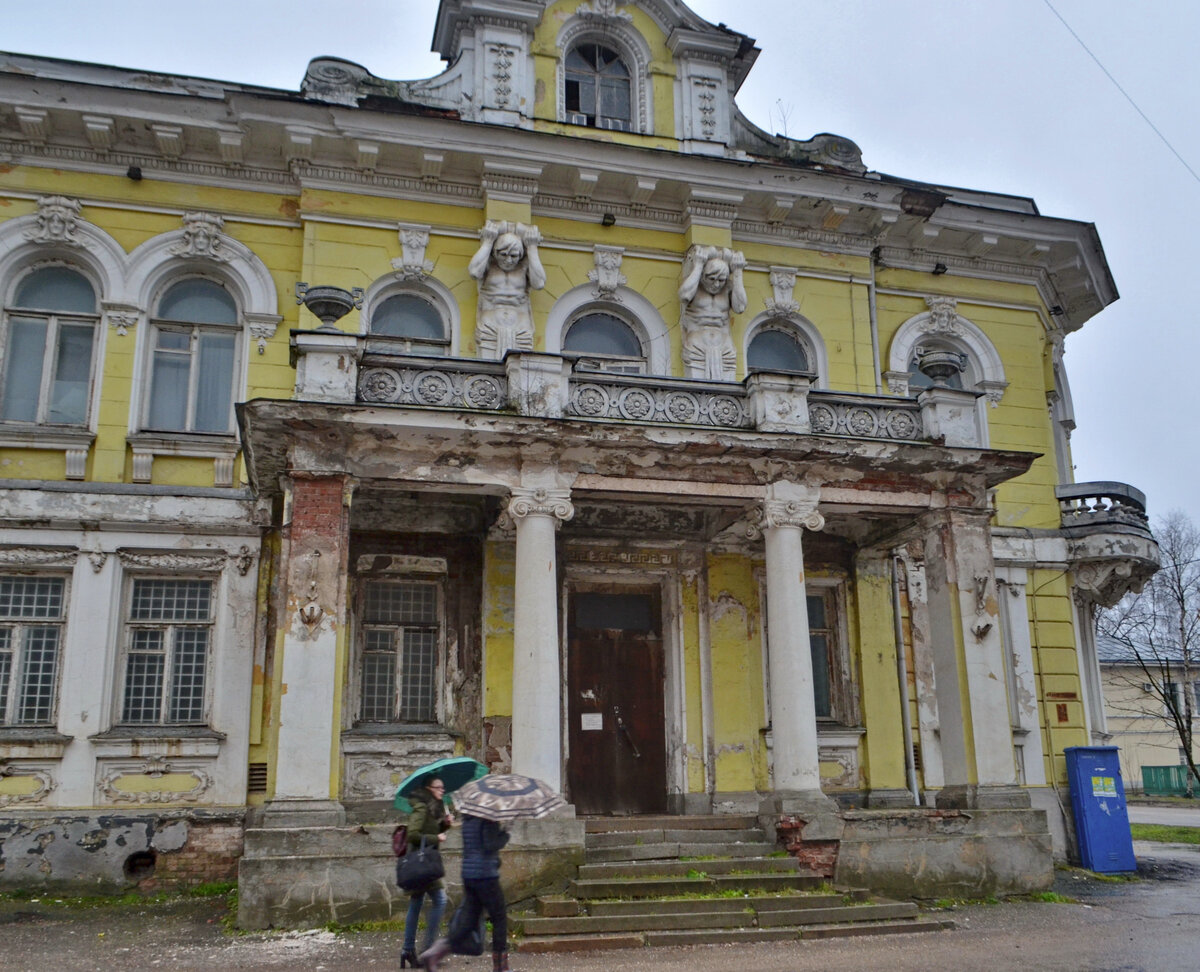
169,632
400,639
32,615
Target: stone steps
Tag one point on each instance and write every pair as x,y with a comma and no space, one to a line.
638,887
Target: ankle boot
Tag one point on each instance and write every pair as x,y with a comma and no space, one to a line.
430,958
500,962
408,957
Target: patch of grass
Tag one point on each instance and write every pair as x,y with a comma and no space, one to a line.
213,889
694,875
377,925
1050,897
950,904
700,857
778,853
1165,833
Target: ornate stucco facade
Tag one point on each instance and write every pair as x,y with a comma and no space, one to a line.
609,362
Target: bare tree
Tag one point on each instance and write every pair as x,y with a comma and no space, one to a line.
1158,630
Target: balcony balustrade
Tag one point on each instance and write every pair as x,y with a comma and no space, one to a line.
1102,504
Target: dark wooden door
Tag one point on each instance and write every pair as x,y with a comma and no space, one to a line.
618,756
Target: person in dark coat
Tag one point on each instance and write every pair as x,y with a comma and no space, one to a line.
482,841
428,820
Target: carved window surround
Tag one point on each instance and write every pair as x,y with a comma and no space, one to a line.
222,450
74,443
152,778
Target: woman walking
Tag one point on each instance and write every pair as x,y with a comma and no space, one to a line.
482,840
428,820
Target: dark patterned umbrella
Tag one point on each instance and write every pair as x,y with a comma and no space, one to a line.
507,796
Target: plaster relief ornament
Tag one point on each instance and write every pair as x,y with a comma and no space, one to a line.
411,264
56,221
711,289
507,267
783,284
607,274
202,237
603,10
943,315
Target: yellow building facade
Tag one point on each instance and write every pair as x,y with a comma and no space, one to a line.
545,411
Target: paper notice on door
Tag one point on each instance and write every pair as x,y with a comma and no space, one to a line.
591,720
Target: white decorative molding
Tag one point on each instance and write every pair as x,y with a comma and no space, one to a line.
168,139
262,328
897,383
154,767
633,308
400,564
603,10
499,78
143,465
172,560
783,286
243,560
411,264
787,505
97,559
706,105
943,322
34,122
367,155
76,463
607,274
203,237
230,145
38,556
43,773
56,221
943,316
120,317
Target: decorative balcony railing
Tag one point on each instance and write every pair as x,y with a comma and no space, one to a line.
485,386
1101,504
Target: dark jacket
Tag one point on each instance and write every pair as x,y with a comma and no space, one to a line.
428,819
482,840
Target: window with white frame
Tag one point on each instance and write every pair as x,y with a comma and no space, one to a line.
168,641
598,89
193,359
400,636
49,344
602,341
778,347
32,619
412,321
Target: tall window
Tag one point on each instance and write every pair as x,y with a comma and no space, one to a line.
603,342
195,345
32,615
776,348
833,691
167,639
400,637
49,341
412,318
597,88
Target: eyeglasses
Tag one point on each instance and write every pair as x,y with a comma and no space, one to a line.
437,786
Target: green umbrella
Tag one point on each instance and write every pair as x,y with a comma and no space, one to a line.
454,771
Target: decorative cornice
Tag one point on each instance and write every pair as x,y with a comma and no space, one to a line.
38,556
554,503
172,560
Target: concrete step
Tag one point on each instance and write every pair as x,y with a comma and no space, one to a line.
557,906
659,852
760,903
673,868
598,825
657,887
900,927
837,914
604,924
579,943
650,837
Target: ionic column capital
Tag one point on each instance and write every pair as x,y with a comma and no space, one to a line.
555,503
789,505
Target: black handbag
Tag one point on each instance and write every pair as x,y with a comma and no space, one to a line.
419,868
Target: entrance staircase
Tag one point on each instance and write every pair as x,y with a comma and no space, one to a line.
698,881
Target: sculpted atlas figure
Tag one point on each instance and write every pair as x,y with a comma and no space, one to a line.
711,289
507,267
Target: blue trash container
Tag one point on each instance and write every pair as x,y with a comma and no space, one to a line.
1098,801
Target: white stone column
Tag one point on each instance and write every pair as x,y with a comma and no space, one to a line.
536,717
787,509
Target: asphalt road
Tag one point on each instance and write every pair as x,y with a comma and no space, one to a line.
1148,924
1173,816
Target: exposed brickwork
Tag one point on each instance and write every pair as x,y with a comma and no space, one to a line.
317,507
816,855
210,855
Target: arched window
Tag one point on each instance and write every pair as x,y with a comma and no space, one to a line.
600,341
415,320
777,349
194,351
49,343
598,88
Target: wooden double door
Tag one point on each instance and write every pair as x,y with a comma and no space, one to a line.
617,741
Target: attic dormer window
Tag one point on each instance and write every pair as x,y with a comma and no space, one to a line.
597,88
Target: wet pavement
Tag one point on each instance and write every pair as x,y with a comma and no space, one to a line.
1149,924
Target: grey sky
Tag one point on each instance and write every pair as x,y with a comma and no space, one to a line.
985,94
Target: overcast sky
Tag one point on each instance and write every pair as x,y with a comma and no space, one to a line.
984,94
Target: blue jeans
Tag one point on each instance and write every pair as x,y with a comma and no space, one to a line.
437,905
